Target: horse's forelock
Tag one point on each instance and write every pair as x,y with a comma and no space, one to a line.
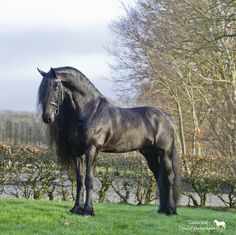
42,92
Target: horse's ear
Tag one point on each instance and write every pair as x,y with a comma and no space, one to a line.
53,72
41,72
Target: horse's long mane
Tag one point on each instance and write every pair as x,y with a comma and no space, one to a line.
59,133
78,79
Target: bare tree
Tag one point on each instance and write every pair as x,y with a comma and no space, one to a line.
180,55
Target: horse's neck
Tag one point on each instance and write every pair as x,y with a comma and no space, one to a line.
83,95
84,103
85,86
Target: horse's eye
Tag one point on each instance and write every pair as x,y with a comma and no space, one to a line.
55,86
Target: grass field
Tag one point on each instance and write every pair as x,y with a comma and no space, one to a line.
18,216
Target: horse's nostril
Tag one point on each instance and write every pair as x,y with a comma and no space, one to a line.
46,118
49,120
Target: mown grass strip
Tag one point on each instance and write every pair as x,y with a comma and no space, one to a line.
23,217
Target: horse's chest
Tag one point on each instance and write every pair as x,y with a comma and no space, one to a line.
76,135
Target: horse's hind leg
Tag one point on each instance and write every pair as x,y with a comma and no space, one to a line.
151,156
166,179
160,163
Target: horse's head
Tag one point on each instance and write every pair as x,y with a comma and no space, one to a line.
50,95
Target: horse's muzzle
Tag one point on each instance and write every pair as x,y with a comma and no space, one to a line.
47,118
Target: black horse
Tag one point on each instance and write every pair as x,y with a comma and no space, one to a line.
82,123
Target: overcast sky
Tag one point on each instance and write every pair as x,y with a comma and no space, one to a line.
53,33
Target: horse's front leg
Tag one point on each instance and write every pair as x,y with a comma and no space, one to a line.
90,158
79,203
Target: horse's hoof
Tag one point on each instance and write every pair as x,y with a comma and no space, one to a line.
171,211
88,212
76,210
168,211
161,211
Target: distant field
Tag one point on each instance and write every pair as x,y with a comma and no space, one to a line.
19,216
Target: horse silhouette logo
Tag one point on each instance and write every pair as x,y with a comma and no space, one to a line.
220,224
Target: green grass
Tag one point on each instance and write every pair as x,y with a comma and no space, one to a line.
18,216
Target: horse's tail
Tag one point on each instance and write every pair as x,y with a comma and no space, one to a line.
177,183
